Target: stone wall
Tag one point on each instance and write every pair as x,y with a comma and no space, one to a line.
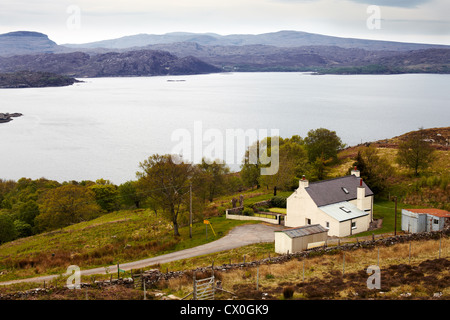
153,276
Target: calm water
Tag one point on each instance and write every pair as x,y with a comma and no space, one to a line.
104,127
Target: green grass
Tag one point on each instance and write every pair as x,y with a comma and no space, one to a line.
278,210
117,237
385,209
264,197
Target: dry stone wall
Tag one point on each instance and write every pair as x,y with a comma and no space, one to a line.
153,276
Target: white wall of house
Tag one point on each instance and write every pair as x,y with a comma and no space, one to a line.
300,208
361,224
367,205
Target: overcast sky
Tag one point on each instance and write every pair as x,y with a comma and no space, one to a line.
80,21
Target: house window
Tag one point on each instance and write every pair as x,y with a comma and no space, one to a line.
345,209
353,225
327,224
435,221
345,190
308,221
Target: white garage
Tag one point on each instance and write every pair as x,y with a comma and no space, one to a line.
299,239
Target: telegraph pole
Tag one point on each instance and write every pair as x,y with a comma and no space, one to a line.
190,210
395,223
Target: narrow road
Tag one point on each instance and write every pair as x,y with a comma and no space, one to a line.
237,237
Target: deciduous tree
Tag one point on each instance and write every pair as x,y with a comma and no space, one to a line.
167,180
66,205
323,144
374,169
415,152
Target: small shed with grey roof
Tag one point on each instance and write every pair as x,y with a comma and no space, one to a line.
299,239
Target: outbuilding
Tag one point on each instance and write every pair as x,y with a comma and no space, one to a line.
299,239
424,220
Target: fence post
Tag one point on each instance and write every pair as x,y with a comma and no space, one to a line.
378,257
194,294
410,252
257,278
343,263
145,291
303,270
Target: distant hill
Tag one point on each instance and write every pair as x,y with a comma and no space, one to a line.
192,53
278,39
132,63
27,79
26,42
312,58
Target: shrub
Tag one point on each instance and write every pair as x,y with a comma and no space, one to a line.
248,212
221,210
288,292
279,202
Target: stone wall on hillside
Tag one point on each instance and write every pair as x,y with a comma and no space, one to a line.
153,276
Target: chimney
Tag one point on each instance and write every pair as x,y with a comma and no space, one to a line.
360,195
355,172
303,183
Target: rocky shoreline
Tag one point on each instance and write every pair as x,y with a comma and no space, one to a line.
7,117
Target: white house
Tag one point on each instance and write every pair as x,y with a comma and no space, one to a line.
343,205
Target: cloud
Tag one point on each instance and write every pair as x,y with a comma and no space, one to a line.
394,3
385,3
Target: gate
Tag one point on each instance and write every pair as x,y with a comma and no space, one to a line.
137,281
204,289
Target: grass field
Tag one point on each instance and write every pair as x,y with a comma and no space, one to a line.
117,237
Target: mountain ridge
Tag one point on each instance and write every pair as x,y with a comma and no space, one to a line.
208,52
131,63
283,38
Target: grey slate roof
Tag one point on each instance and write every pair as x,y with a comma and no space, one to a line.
304,231
331,191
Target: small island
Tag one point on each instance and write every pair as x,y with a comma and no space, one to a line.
34,79
7,117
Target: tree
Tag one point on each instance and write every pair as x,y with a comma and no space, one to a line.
211,179
374,169
292,160
66,205
7,228
130,194
167,181
106,195
26,211
6,186
323,144
415,152
251,168
22,228
319,169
